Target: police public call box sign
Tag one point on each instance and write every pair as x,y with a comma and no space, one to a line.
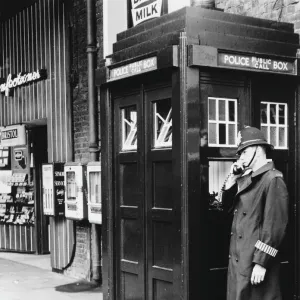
143,10
135,68
256,63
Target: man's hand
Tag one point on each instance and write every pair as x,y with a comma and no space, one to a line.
258,274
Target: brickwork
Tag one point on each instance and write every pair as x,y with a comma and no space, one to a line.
277,10
81,265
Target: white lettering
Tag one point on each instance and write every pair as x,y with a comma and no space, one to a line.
141,14
20,79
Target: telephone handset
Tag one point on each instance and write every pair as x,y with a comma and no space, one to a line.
237,169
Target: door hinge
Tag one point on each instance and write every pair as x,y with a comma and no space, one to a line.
295,119
295,209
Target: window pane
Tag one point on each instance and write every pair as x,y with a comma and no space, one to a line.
231,134
212,109
273,113
273,136
282,133
222,115
281,114
162,114
212,133
222,134
264,130
231,109
263,113
129,128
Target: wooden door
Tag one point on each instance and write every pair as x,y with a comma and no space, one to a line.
129,198
147,242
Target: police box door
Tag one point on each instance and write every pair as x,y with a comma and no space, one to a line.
144,211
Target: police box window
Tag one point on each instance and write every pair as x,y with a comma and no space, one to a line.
274,123
222,122
162,123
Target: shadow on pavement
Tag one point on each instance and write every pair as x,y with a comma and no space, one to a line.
80,286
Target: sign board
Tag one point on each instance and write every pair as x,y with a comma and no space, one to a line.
256,63
20,79
59,189
143,10
138,67
14,135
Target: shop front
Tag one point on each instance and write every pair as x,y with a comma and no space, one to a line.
165,232
35,123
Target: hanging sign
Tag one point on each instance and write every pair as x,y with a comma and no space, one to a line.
256,63
14,135
141,11
20,79
138,67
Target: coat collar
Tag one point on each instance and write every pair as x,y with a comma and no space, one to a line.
263,169
245,181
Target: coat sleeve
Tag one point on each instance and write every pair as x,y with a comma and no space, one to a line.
228,198
274,222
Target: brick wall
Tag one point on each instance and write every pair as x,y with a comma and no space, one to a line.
278,10
81,266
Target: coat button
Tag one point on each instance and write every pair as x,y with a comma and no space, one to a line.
229,256
236,260
235,211
240,236
231,233
244,213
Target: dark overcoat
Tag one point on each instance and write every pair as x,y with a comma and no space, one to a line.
259,202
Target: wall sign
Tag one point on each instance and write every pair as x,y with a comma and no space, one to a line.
141,11
257,63
14,135
138,67
20,79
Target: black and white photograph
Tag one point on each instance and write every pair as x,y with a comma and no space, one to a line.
103,196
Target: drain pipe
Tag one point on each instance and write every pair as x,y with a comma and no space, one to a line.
91,55
93,128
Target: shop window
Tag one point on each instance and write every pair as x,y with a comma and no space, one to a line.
129,128
274,123
4,156
162,114
222,122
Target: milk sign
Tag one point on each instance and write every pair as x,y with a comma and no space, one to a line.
143,10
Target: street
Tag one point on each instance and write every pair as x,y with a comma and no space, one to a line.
21,281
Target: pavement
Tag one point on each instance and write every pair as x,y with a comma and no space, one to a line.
29,277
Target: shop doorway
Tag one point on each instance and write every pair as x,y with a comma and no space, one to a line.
37,137
147,248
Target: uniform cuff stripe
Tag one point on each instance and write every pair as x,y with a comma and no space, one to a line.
266,248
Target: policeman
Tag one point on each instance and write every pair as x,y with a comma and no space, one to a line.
259,201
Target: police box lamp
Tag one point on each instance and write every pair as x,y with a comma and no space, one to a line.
75,187
53,182
94,192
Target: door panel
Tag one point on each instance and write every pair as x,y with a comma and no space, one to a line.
161,232
129,199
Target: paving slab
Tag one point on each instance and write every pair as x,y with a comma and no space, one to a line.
20,281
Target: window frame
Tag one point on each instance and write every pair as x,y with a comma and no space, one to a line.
226,122
277,125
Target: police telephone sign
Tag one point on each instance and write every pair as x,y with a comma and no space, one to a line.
138,67
256,63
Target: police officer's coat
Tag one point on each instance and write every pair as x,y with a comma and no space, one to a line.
260,207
